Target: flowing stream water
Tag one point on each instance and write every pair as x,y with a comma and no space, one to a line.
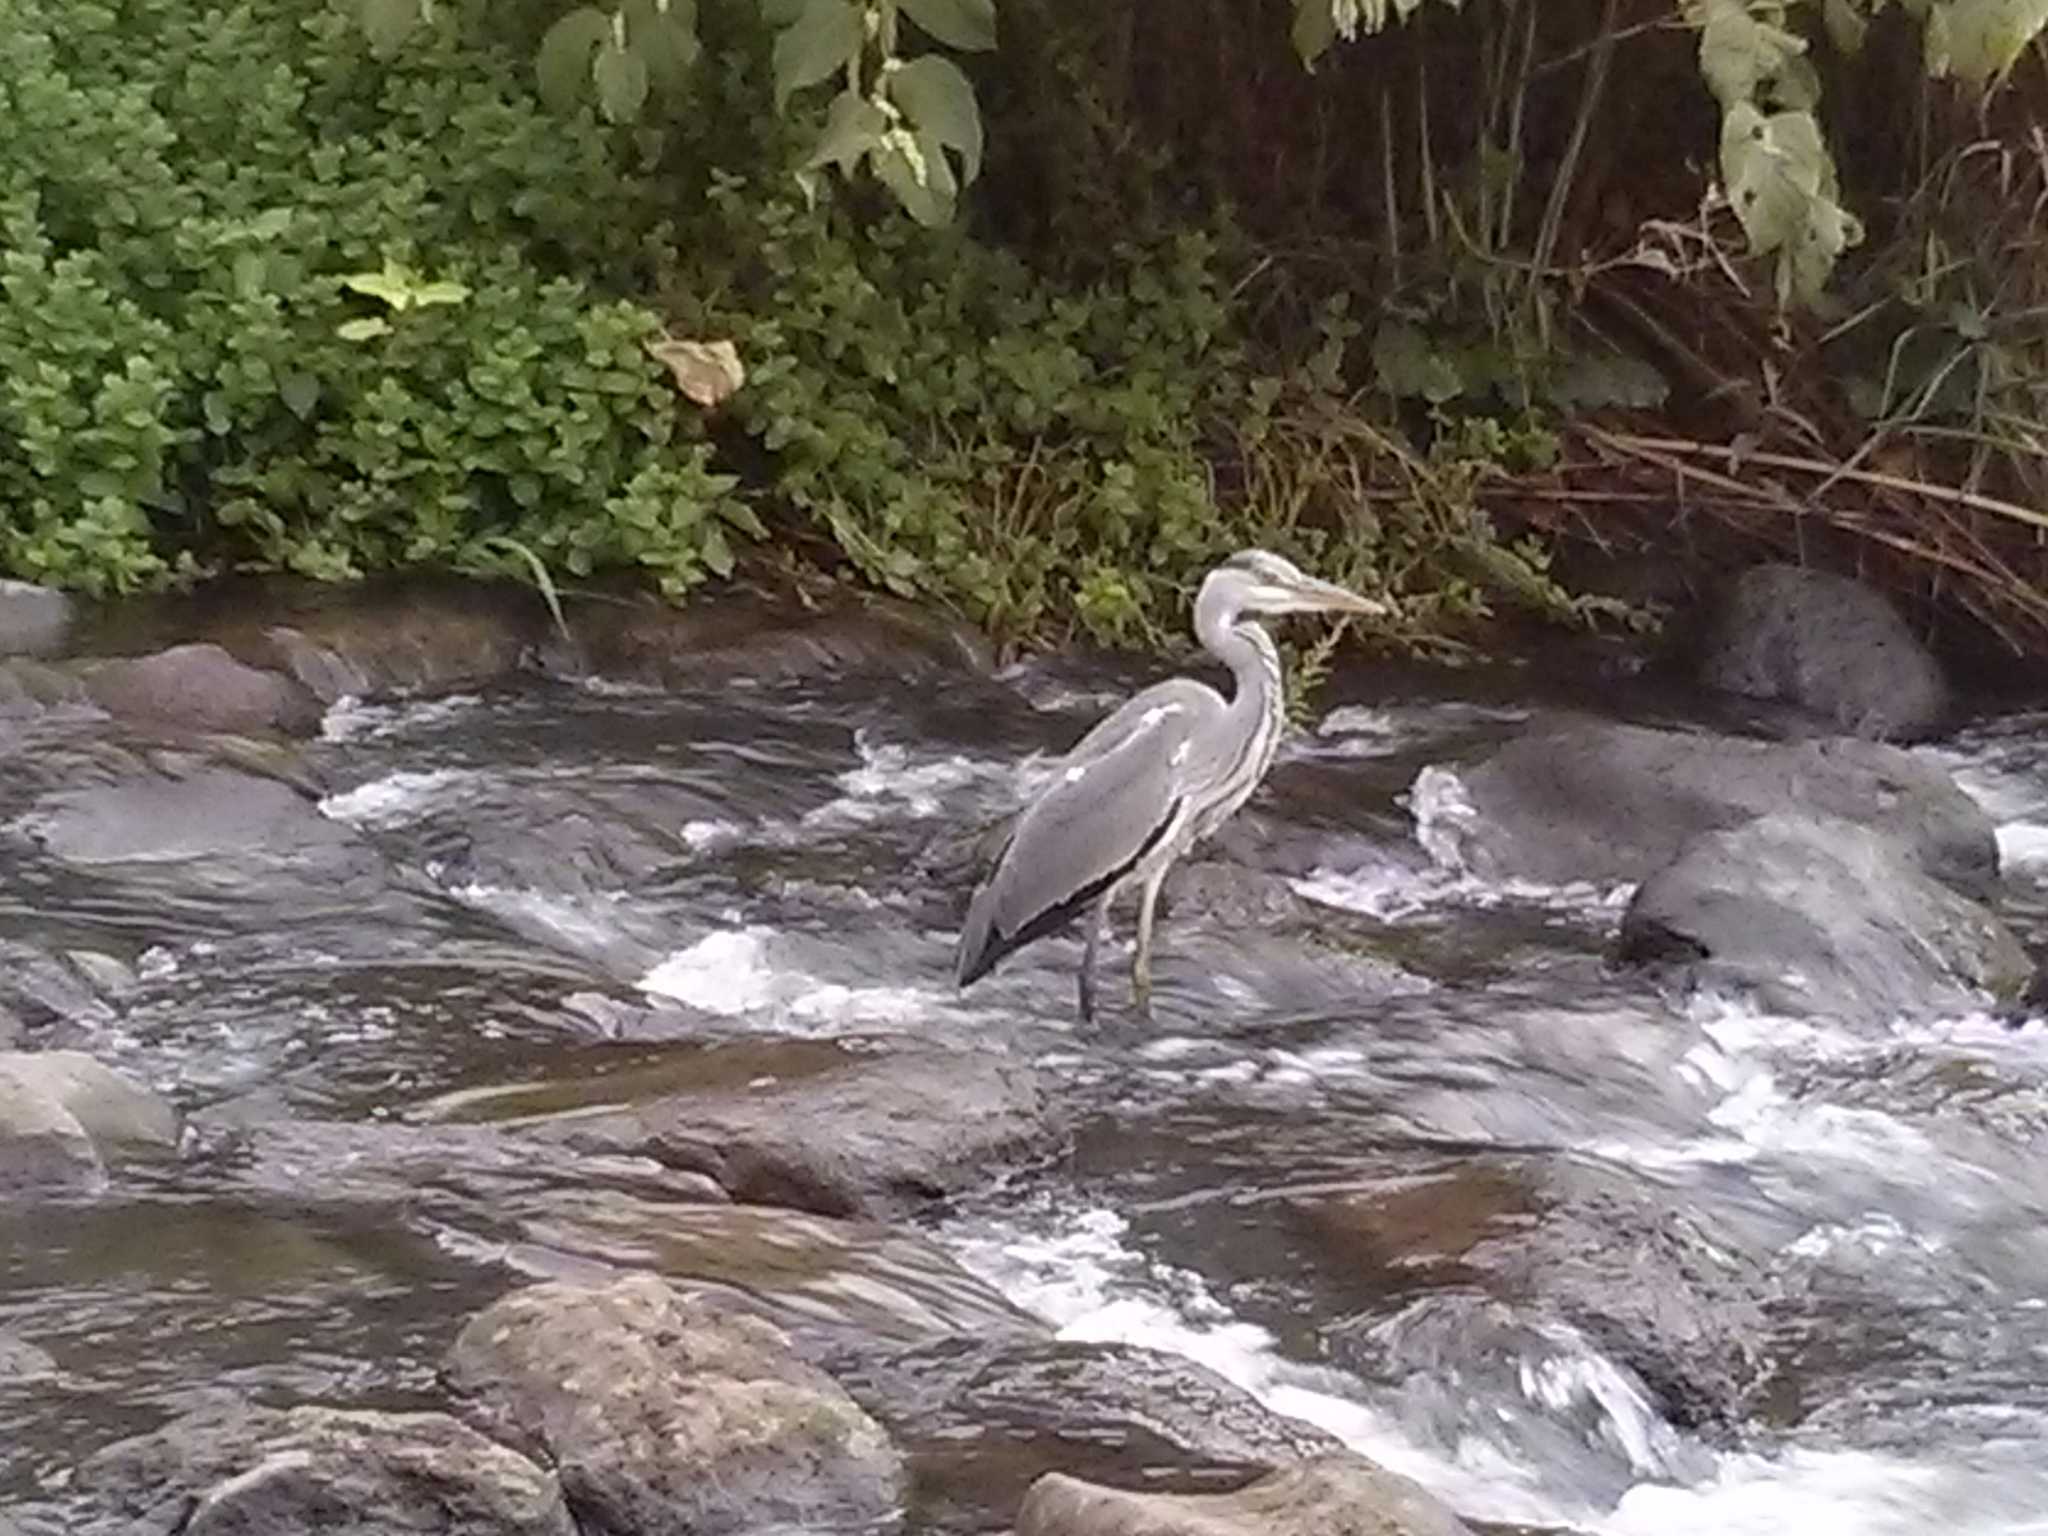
508,879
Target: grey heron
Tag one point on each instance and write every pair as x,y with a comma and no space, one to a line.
1160,774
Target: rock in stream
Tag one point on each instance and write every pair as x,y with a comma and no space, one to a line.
666,1411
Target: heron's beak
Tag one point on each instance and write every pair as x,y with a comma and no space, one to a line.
1313,595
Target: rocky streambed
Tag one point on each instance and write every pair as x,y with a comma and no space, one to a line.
459,1079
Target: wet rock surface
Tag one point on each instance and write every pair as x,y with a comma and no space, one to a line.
1582,1244
63,1114
1830,645
240,1470
1586,800
665,1411
1335,1495
206,812
982,1419
1810,915
34,621
200,688
861,1127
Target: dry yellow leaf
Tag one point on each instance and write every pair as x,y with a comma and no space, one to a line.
708,372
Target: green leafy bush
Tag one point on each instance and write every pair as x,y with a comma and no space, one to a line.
195,366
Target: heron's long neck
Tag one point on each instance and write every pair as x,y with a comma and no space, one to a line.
1258,703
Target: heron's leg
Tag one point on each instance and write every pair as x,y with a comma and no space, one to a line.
1141,962
1097,920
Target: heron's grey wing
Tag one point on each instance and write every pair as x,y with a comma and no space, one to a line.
1196,700
1089,828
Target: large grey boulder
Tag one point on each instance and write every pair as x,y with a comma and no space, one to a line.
34,621
847,1128
666,1411
1334,1495
244,1471
1814,915
1578,799
200,688
1827,644
61,1112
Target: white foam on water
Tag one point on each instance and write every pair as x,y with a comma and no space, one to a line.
349,718
1845,1493
890,784
729,972
398,799
1092,1285
1080,1272
584,921
1392,893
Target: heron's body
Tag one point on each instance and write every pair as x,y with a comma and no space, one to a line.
1161,773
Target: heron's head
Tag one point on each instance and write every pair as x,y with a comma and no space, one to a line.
1258,581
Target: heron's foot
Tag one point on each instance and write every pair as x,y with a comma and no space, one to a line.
1087,990
1141,994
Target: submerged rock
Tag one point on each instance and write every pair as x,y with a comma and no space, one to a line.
982,1418
1812,915
1334,1495
842,1128
666,1411
1587,800
1562,1240
247,1471
61,1111
207,812
34,621
200,688
1828,644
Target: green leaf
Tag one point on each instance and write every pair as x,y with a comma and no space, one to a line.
393,285
939,101
716,551
1774,169
853,127
1739,54
562,67
826,37
968,24
1847,25
664,35
621,77
363,330
1409,366
300,393
1979,41
1315,28
388,23
906,169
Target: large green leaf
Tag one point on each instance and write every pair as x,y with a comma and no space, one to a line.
826,37
1740,55
562,67
1979,41
620,75
1781,182
969,24
939,102
853,127
663,33
915,170
1315,28
388,23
